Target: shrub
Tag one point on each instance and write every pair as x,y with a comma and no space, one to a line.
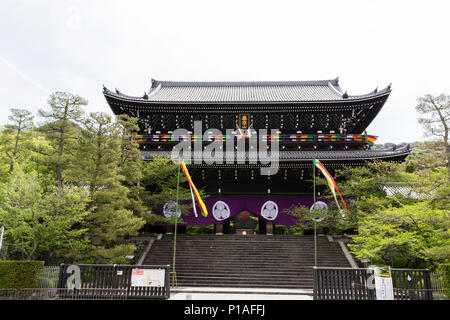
20,273
400,262
200,229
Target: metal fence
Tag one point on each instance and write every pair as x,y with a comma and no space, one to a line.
99,276
438,286
353,284
62,294
48,277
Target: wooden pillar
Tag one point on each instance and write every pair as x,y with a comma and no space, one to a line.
269,228
170,228
219,228
262,226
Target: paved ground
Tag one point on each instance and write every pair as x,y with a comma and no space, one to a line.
199,293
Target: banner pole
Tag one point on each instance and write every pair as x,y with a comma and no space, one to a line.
176,221
1,238
315,224
314,183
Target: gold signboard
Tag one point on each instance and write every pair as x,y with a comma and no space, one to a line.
244,120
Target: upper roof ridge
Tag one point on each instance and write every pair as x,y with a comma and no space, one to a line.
155,83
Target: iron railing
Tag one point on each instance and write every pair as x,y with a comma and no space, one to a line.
98,276
62,294
356,284
48,277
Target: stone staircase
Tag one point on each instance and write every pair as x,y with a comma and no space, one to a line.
251,261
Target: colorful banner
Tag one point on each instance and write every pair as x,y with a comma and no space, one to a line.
200,202
147,138
371,140
331,184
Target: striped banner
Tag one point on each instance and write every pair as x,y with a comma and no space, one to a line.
200,202
332,185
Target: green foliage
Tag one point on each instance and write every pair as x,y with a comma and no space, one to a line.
296,229
130,163
426,155
37,221
400,262
200,229
413,232
20,274
62,131
22,122
100,161
76,189
112,255
400,230
160,179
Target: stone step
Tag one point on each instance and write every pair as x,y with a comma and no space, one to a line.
259,261
248,259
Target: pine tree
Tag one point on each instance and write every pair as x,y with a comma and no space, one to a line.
22,121
61,128
130,162
436,120
99,158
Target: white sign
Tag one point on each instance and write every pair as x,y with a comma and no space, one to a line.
148,277
383,283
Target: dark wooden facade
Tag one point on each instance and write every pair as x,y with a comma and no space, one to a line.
316,108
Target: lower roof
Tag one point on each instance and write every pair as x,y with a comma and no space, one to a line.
303,156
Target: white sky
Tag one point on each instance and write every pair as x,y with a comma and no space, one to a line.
78,46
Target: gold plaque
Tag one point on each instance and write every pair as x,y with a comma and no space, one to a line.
244,120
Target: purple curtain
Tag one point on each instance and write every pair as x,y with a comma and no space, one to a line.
269,208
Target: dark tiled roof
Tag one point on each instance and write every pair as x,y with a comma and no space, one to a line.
257,91
289,156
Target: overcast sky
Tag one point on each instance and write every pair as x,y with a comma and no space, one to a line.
78,46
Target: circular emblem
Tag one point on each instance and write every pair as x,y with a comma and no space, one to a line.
269,210
170,208
318,211
221,211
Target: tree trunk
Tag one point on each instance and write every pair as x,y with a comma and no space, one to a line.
13,157
61,148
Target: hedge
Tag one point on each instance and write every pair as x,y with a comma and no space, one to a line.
20,274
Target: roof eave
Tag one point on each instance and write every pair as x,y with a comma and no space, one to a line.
340,101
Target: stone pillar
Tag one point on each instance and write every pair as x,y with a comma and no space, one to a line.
219,228
269,228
